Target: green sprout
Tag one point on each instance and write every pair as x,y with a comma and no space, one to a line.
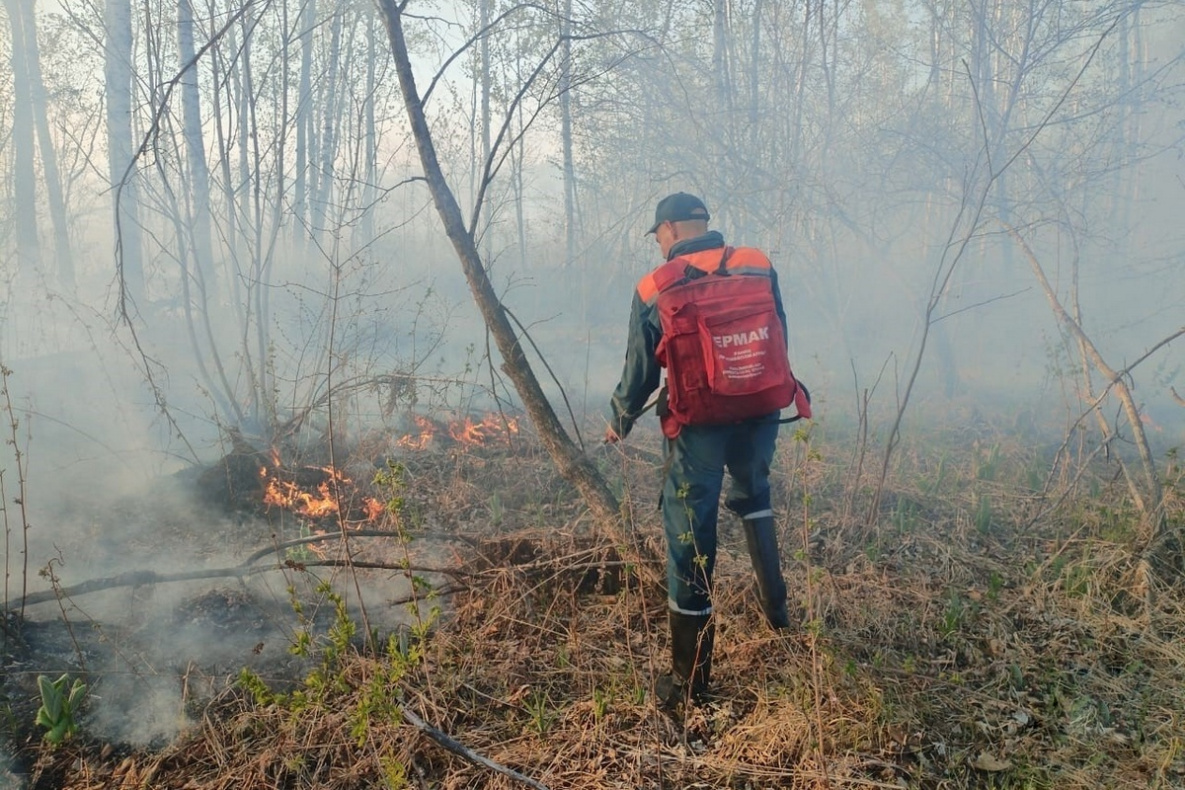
59,707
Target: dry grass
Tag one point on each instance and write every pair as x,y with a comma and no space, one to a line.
955,644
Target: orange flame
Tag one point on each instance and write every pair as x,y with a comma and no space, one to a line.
491,428
290,496
419,442
319,504
373,508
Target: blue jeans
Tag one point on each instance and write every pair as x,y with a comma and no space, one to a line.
697,458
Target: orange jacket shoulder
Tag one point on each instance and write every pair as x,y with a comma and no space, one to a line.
648,289
749,260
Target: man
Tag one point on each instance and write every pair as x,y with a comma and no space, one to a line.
700,447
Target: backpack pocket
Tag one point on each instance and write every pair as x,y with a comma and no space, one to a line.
744,352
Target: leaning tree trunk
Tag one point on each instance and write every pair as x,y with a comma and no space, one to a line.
573,465
1150,503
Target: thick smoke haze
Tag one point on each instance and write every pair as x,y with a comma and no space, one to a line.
931,183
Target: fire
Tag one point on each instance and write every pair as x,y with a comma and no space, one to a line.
281,488
288,495
489,430
313,504
419,442
373,508
492,428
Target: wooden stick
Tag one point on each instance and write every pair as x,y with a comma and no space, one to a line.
460,749
139,578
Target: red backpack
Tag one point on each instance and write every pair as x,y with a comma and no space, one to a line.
723,347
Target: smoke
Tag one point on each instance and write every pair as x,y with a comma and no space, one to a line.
150,652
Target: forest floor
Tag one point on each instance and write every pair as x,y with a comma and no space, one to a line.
996,628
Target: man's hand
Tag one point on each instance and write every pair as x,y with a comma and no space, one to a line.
611,436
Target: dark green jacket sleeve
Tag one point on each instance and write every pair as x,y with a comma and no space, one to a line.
773,277
641,374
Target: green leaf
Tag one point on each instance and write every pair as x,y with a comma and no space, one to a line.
51,697
77,691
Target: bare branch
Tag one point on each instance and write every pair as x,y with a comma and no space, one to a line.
460,749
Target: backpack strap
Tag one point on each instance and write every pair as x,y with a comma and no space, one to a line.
722,268
670,273
802,401
677,269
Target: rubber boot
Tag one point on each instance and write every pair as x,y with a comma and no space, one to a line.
771,587
692,640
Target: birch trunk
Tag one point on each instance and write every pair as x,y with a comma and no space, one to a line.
370,175
483,21
195,151
566,135
322,193
121,150
24,176
304,118
63,257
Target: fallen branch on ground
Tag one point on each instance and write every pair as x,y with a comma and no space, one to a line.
141,578
460,749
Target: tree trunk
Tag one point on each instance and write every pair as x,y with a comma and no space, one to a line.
518,162
304,119
573,465
721,56
566,135
24,176
756,68
49,157
246,129
121,150
323,172
225,86
483,21
723,112
195,150
370,174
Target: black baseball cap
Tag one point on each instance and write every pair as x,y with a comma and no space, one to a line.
678,207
